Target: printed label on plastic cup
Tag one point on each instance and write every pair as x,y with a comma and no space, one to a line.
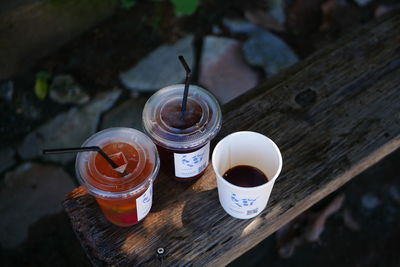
191,164
143,203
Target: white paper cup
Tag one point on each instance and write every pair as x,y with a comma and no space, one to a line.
246,148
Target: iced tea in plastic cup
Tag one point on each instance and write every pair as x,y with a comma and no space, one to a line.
124,196
183,140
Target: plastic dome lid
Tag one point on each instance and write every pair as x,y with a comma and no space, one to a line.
159,126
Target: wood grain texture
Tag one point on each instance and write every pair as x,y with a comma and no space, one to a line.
332,115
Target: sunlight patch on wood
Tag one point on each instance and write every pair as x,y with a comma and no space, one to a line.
252,226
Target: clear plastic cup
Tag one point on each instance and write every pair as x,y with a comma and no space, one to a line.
246,149
183,142
125,197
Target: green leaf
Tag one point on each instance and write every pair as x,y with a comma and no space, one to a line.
185,7
42,84
127,4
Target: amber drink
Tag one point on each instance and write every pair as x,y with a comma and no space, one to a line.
123,194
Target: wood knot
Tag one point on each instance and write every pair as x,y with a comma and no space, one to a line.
306,97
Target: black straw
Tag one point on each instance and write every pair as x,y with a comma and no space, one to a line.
82,149
187,81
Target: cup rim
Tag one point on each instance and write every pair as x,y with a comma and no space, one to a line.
192,139
213,158
97,192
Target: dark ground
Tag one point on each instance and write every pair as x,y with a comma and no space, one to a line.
123,40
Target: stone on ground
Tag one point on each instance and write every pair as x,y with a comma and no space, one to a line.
69,129
160,68
65,90
127,114
223,70
277,9
27,194
7,156
268,51
237,26
363,2
370,201
6,90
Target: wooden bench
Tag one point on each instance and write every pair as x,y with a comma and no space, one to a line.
333,115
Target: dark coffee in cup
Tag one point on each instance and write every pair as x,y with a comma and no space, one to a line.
182,138
245,176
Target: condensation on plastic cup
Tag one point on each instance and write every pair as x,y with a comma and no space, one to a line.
246,148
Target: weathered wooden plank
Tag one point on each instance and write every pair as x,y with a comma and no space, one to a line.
333,115
32,29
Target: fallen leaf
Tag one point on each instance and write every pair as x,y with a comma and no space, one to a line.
316,228
304,16
349,221
262,19
42,85
338,15
290,235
